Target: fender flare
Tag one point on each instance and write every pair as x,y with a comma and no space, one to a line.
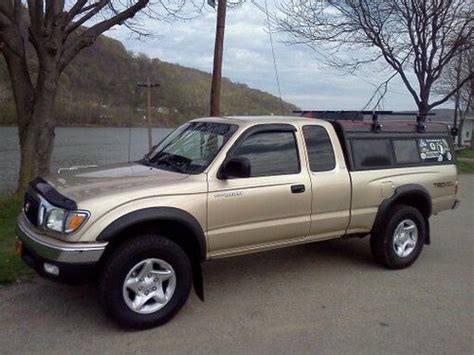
400,193
150,214
169,214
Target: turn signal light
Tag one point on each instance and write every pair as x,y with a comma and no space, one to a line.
74,221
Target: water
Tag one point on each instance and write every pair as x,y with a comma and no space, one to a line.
76,146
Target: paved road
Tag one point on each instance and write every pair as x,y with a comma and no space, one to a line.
326,297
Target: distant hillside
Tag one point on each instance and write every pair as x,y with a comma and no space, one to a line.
445,115
96,89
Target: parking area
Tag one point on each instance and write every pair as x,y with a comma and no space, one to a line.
326,297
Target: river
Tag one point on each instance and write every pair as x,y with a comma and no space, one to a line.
76,146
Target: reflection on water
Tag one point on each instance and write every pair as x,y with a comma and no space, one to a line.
76,146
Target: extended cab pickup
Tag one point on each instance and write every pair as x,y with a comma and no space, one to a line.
217,187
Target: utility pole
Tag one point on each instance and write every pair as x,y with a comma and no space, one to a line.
218,52
149,85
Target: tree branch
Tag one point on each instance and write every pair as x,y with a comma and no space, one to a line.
6,9
451,93
36,12
76,9
383,85
95,8
90,35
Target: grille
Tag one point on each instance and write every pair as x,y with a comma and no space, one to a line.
31,209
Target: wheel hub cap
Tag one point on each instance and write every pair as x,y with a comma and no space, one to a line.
405,238
149,286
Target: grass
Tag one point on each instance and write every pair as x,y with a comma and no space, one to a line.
466,154
11,266
465,161
466,167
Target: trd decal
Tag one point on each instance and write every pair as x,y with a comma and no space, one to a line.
441,185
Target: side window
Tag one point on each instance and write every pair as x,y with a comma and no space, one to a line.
371,153
270,153
434,150
320,151
406,151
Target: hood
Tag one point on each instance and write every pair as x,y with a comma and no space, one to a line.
81,184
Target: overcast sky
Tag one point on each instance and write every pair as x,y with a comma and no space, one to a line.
248,59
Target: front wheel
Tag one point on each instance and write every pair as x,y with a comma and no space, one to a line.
399,242
145,282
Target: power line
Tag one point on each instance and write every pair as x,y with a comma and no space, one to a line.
264,9
273,55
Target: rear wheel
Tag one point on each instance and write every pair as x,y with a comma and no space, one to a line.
399,242
145,282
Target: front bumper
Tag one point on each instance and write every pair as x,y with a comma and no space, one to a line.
67,262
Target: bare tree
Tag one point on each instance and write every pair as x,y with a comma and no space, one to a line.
463,98
3,95
417,39
57,30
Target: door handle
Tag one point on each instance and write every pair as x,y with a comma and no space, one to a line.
297,189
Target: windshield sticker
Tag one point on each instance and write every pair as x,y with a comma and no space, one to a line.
435,149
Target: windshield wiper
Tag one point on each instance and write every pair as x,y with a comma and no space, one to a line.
167,160
146,161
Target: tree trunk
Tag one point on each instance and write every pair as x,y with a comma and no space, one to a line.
423,103
36,149
37,136
423,109
456,117
462,116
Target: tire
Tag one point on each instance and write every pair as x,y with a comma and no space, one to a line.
393,245
153,265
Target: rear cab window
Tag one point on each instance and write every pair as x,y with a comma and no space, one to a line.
319,148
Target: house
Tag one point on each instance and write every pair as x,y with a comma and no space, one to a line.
445,116
465,137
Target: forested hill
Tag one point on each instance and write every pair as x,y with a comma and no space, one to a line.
97,89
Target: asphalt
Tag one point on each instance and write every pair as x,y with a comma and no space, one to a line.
326,298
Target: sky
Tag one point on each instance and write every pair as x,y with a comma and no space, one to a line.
304,80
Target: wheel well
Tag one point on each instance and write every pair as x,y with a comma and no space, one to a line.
173,230
416,200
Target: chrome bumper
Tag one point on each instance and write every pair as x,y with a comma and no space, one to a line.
60,251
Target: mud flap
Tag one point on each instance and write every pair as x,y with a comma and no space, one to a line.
428,234
198,281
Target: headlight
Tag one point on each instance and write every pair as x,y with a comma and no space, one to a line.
65,221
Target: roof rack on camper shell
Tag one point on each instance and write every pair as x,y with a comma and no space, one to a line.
376,126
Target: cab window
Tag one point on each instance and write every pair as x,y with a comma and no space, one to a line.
270,153
319,147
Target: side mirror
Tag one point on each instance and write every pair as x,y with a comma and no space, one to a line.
236,167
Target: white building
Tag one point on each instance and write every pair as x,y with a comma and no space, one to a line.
465,137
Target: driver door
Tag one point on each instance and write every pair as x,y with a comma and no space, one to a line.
270,207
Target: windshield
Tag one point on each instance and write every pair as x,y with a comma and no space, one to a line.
190,148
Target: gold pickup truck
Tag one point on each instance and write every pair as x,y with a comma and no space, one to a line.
218,187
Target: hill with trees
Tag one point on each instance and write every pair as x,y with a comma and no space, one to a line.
99,88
